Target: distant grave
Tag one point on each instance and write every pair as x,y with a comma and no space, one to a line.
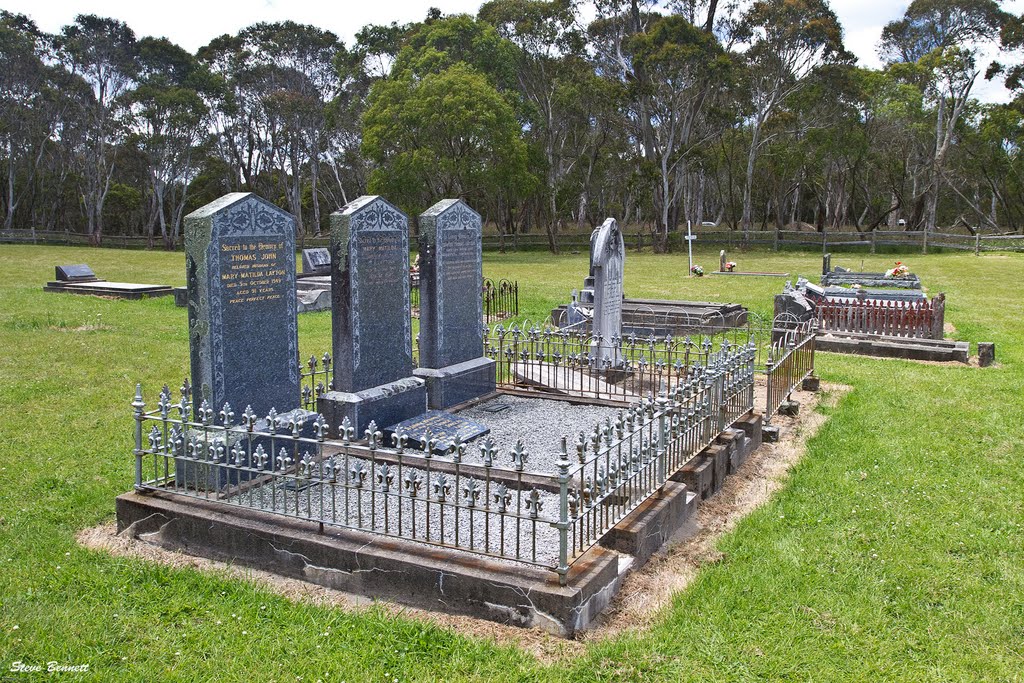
80,279
726,267
316,262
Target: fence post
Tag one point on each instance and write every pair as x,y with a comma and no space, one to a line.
873,235
775,244
938,315
662,403
563,515
924,240
139,405
977,244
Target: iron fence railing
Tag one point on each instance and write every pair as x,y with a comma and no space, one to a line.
790,362
462,498
501,300
915,319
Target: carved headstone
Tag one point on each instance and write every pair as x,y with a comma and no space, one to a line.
243,334
75,273
451,306
371,318
609,263
721,261
316,261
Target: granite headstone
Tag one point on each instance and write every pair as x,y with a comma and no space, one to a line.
452,361
78,272
609,263
243,334
372,325
316,261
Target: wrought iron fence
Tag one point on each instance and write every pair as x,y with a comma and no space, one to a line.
914,319
461,498
791,361
500,300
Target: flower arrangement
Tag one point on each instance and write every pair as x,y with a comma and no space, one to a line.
730,266
899,270
697,270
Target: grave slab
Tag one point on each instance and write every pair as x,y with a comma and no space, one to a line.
445,428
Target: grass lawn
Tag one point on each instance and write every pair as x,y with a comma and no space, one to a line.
894,552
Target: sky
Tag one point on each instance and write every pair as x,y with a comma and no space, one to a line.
193,23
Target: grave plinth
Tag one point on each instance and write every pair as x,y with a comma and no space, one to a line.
452,361
372,325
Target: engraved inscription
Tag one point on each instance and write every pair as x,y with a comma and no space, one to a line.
252,270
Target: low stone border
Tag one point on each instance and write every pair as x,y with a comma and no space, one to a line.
938,350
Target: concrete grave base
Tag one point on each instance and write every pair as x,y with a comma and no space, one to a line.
118,290
770,434
386,404
455,384
377,567
645,530
441,579
893,347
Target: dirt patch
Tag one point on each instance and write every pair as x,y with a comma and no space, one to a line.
645,593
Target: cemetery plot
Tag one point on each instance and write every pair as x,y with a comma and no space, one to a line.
80,279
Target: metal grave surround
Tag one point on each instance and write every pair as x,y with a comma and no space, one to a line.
443,427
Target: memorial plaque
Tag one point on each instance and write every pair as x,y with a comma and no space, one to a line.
316,261
609,265
443,427
78,272
243,334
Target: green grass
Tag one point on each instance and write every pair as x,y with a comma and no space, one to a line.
894,552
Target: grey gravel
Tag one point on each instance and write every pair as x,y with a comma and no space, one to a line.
540,423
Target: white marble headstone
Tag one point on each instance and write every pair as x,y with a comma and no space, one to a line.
609,260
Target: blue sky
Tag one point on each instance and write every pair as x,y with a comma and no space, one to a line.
192,23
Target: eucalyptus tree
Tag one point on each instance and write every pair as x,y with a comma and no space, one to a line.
941,38
276,81
27,115
102,52
683,68
787,40
550,49
170,124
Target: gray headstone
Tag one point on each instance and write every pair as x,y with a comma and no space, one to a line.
826,264
77,272
721,261
371,317
243,334
451,277
370,288
451,305
609,264
316,261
